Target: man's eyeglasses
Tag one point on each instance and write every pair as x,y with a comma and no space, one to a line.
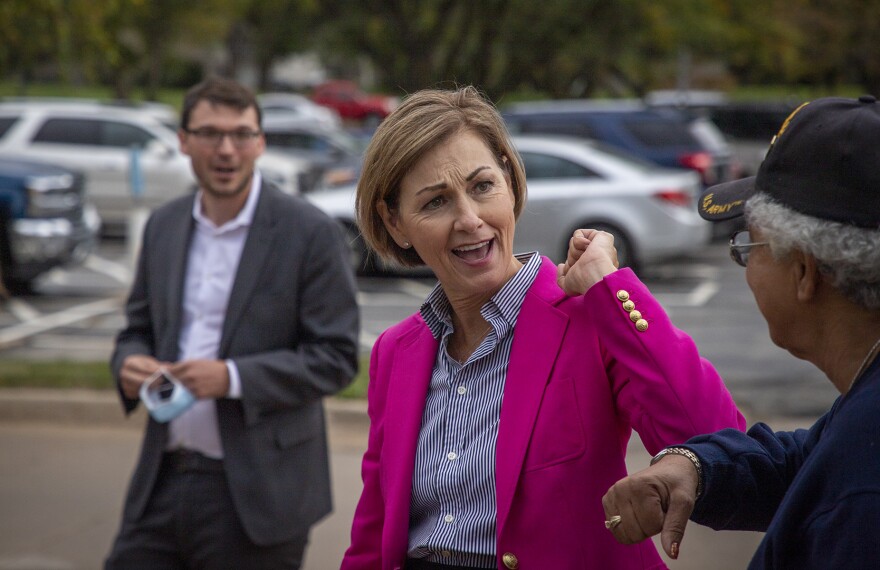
740,245
241,138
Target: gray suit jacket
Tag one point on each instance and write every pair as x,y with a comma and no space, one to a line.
291,327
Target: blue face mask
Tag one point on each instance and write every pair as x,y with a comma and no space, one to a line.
165,397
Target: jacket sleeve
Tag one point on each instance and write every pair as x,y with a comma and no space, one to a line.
746,475
324,358
661,385
365,551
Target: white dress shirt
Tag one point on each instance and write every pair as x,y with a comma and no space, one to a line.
214,253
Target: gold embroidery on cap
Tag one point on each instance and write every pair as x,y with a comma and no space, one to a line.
788,120
713,209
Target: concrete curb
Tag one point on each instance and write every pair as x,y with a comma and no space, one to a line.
101,408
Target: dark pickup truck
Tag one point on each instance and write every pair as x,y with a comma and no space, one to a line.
44,220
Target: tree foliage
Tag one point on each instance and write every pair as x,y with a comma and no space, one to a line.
558,48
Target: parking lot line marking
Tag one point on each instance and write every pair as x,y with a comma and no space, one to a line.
694,270
16,333
117,271
697,297
21,310
703,293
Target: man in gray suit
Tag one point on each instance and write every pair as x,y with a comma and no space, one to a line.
244,297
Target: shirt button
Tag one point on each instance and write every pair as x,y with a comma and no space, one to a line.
462,390
451,456
449,518
445,554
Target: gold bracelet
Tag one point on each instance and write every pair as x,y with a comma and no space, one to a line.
686,453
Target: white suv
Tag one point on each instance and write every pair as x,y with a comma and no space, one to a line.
103,140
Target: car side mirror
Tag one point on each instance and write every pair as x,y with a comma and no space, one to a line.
158,148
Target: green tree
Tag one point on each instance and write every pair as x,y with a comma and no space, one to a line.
29,31
276,28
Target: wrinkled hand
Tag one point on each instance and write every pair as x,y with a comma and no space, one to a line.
591,256
204,378
135,370
658,499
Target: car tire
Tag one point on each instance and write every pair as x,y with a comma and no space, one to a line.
18,287
626,256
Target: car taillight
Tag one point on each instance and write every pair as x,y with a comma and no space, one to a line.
674,198
701,162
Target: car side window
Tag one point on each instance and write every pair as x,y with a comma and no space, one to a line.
542,166
69,131
123,135
6,123
659,133
564,125
93,133
291,140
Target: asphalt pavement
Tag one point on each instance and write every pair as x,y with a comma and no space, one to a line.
68,455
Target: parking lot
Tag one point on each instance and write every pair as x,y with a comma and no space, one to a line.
75,313
64,483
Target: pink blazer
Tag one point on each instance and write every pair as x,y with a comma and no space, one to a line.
580,378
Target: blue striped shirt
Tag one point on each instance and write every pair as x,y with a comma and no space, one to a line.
453,510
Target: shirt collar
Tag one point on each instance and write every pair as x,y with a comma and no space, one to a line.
245,216
501,311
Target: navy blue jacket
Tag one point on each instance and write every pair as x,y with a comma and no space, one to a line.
815,492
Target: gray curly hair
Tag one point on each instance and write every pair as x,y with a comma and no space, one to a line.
848,256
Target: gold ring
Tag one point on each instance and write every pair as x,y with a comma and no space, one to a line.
612,522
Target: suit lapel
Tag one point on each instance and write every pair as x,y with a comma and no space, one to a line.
409,379
538,336
178,232
254,255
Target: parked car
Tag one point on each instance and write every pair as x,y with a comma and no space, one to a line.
45,221
575,183
102,140
347,99
299,107
336,155
748,126
665,137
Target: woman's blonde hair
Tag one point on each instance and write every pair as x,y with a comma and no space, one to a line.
424,120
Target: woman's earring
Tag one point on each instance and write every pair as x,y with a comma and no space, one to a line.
406,245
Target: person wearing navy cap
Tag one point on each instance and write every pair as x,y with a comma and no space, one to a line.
812,259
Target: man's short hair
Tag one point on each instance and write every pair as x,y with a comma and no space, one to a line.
219,91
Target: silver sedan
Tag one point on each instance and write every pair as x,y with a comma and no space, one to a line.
573,183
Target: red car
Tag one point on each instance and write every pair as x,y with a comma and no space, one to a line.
352,103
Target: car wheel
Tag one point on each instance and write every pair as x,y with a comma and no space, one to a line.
18,287
626,256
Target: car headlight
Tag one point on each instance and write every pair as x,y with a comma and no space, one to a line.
52,195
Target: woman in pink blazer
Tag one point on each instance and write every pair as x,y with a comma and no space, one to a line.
500,413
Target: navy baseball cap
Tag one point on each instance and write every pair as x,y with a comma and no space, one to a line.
824,162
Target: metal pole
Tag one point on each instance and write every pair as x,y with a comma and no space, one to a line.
138,214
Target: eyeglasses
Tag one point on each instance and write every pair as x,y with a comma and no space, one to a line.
741,245
241,138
